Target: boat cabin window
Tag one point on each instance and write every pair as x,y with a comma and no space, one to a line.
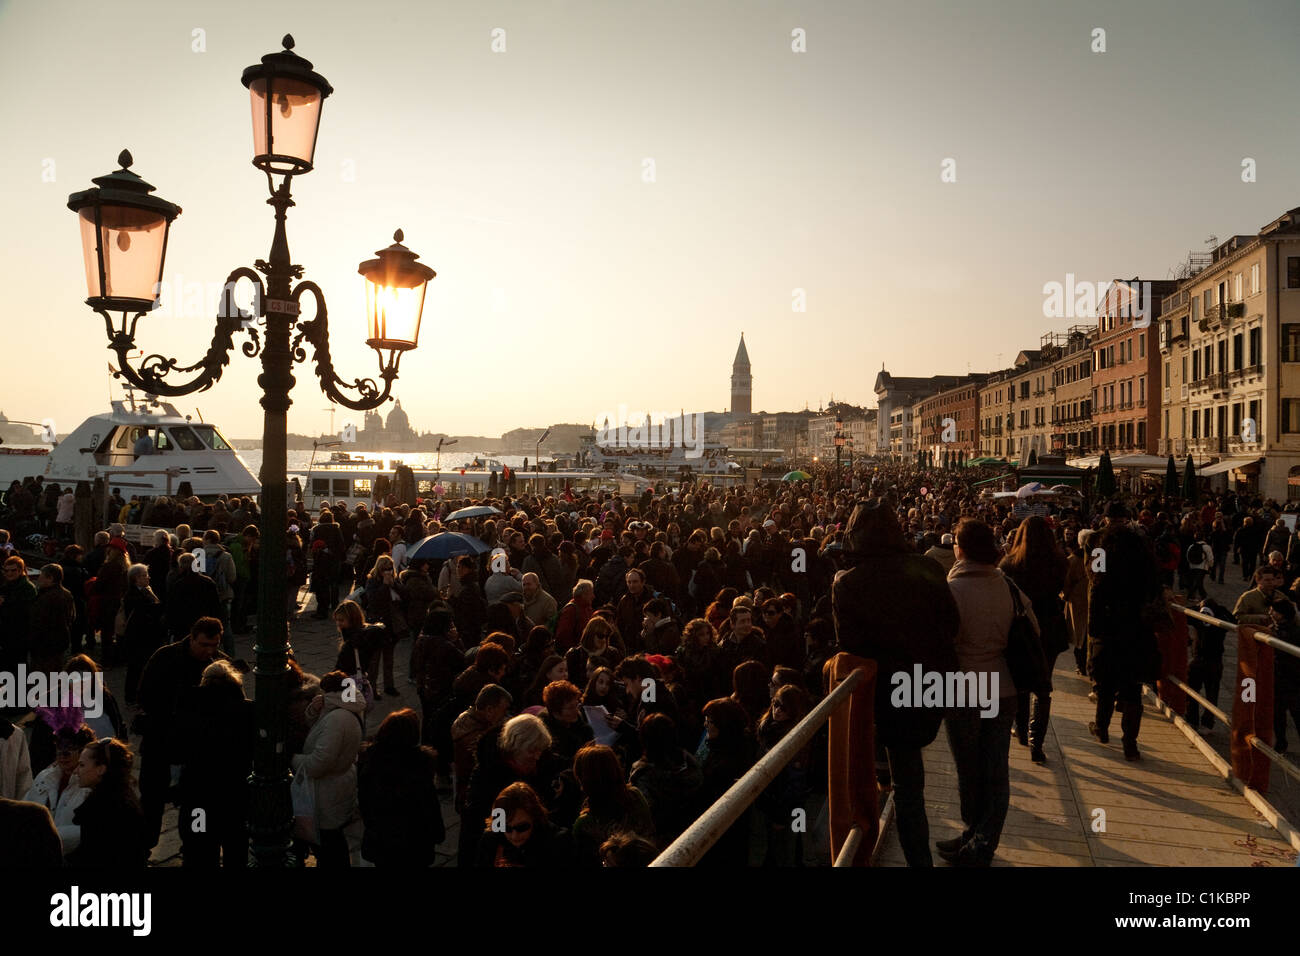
211,437
361,487
185,438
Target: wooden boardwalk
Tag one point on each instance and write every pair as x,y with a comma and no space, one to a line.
1171,808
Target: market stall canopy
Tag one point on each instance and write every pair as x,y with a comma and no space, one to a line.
1051,469
1139,462
1228,464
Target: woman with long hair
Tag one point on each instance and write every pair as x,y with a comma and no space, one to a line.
386,598
1037,565
669,777
609,803
398,795
57,787
110,818
749,688
360,643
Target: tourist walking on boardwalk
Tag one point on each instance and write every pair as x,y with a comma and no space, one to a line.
894,607
980,742
1037,565
1075,594
1122,649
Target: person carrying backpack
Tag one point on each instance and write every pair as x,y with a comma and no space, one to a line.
219,565
1200,559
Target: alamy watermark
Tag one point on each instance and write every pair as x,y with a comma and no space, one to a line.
669,432
1074,299
24,689
946,690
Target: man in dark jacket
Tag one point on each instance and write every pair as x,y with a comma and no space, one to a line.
52,619
894,607
744,642
190,596
167,678
468,604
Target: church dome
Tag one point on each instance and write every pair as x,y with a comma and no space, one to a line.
397,420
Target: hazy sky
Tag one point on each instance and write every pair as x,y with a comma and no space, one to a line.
568,286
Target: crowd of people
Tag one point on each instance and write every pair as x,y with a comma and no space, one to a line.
604,673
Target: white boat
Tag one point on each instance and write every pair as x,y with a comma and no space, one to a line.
358,482
144,448
704,460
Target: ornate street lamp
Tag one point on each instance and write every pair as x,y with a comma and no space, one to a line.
124,232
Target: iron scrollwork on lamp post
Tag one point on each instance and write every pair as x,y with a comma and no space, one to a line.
124,231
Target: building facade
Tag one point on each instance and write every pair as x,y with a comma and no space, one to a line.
948,422
994,412
1029,427
896,398
1243,351
1069,355
1126,366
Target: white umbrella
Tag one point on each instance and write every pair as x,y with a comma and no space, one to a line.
1033,488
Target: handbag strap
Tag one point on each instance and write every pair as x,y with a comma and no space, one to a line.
1015,598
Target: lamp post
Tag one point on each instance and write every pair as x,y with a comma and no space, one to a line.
124,231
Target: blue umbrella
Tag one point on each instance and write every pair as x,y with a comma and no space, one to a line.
474,511
447,544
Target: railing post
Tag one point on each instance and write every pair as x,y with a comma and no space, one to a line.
1253,717
1172,640
852,794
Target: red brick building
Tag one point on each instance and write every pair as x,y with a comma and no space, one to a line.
961,405
1126,367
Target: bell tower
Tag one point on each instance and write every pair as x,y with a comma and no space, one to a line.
742,383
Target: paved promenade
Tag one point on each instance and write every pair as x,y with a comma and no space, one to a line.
1169,809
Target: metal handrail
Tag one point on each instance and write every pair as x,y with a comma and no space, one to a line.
700,836
1269,639
1275,758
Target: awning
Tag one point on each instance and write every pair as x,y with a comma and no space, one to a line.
989,481
1139,461
1088,461
1228,464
